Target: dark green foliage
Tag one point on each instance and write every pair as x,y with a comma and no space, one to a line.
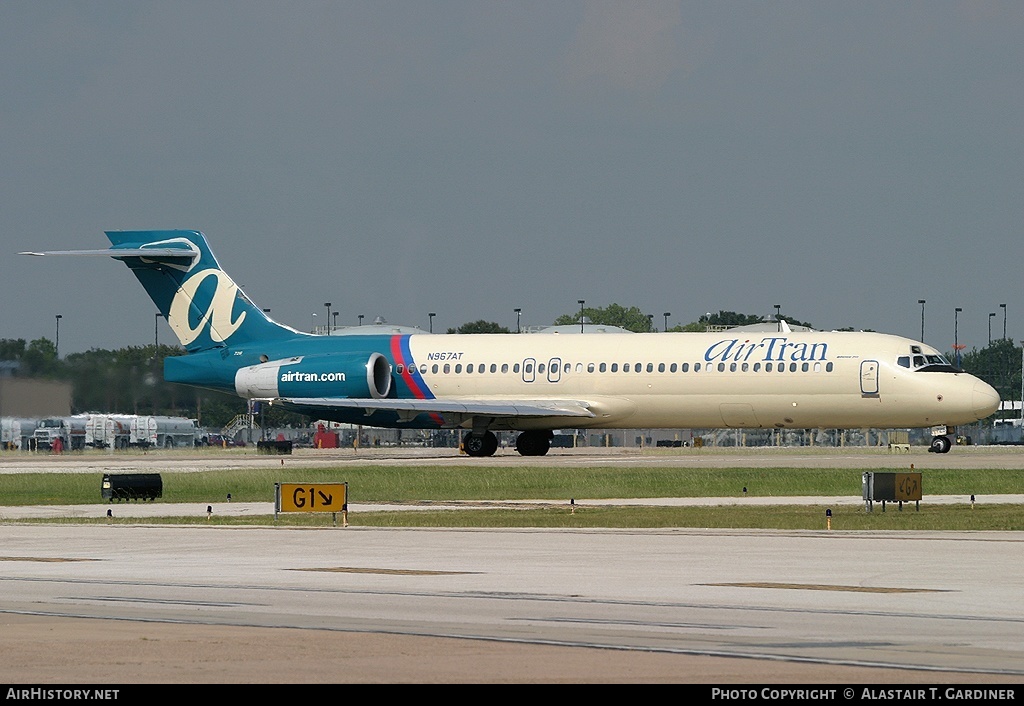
480,326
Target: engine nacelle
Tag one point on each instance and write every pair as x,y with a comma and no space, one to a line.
354,375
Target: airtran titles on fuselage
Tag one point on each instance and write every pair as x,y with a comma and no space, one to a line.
768,349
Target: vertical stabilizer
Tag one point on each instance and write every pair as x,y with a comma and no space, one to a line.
202,304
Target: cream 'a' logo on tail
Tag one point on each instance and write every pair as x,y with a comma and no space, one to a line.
218,312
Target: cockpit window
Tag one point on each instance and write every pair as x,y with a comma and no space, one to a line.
926,362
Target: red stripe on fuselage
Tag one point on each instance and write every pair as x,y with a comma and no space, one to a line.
396,353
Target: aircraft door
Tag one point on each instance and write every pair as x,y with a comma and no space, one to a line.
869,377
529,370
554,369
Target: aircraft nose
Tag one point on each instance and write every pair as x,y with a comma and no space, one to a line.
985,399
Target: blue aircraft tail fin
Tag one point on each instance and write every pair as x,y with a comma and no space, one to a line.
202,304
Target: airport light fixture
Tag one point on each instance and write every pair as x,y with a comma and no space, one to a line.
778,315
56,344
666,315
581,302
519,313
431,316
360,319
328,305
956,333
990,315
1003,307
336,319
922,303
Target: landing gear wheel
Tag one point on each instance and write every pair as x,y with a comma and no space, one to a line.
940,445
484,445
533,443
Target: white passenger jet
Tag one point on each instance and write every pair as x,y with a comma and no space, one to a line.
534,384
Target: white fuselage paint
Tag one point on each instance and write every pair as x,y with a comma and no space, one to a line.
829,380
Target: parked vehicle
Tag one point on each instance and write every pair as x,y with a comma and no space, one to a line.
16,433
163,432
108,431
70,431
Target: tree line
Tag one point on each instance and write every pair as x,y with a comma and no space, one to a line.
130,381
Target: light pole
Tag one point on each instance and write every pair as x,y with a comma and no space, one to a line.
1003,307
666,315
519,313
336,319
990,315
581,302
921,302
360,319
431,316
778,315
328,305
956,333
56,345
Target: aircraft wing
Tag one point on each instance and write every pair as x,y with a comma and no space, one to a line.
513,407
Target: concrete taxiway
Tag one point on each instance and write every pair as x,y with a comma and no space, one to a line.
933,606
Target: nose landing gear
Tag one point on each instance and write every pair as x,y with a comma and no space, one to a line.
940,445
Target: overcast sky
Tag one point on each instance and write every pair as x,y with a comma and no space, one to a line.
841,159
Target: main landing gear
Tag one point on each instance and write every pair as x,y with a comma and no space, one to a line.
535,442
483,445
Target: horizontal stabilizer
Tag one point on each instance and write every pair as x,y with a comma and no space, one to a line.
149,253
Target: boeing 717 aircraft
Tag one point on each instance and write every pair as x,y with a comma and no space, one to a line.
534,384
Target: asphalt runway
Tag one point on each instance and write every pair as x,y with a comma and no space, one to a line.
162,604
